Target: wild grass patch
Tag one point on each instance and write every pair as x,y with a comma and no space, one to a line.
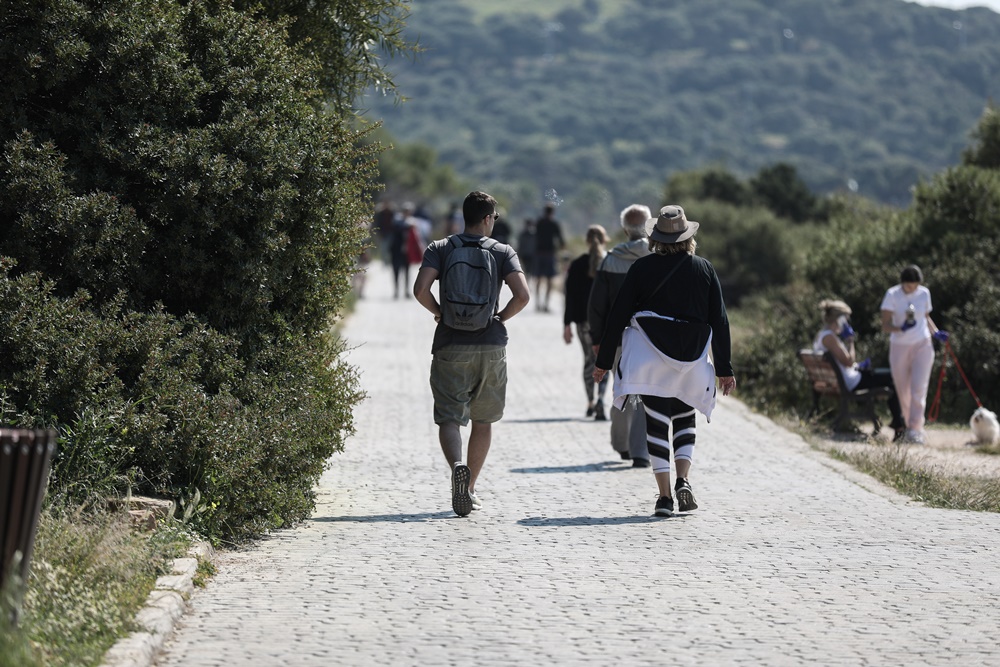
892,466
90,574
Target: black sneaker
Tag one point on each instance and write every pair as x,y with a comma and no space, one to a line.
685,496
461,501
599,414
640,463
664,506
625,456
590,411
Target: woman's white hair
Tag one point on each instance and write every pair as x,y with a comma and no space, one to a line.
634,219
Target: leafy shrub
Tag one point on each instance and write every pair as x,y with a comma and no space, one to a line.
162,405
748,246
184,218
952,232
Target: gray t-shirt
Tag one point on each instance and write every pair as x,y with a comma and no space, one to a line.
496,332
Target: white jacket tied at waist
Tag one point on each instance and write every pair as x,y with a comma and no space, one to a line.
644,369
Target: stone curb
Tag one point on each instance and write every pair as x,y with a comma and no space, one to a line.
165,605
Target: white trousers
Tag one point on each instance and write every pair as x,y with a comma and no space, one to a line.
911,373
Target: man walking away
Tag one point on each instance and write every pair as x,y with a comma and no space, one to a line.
548,241
628,425
469,366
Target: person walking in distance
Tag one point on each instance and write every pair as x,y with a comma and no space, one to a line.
628,423
548,241
469,367
579,280
671,301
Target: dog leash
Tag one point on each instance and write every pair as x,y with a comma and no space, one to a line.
935,410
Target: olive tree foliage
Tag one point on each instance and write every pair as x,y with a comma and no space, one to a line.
182,210
952,231
348,38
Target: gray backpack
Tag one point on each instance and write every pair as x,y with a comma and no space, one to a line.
470,284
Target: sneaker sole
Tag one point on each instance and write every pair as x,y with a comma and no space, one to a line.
685,500
461,502
663,512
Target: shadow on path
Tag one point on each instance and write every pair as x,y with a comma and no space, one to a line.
593,520
548,420
386,518
603,466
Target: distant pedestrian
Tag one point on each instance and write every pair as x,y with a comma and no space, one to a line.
672,302
548,241
399,250
526,247
906,317
628,423
579,281
385,215
469,367
502,231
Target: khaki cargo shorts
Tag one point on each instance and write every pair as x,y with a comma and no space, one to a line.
469,382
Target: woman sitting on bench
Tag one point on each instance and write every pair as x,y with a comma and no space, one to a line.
837,338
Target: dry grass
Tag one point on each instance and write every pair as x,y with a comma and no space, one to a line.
89,576
948,472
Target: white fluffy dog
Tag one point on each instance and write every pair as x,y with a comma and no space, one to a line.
985,426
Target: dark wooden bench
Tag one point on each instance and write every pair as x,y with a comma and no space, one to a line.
25,456
827,380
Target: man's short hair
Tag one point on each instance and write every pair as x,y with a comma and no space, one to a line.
633,220
477,205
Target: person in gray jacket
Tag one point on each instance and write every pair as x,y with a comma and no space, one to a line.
628,426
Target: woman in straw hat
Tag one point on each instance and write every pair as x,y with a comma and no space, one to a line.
673,302
837,338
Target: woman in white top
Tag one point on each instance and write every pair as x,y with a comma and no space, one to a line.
906,316
837,338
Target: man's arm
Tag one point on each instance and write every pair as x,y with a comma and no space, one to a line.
422,291
520,295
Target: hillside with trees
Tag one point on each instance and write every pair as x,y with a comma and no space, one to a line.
596,103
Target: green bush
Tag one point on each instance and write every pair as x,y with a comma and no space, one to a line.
162,405
183,217
747,245
952,232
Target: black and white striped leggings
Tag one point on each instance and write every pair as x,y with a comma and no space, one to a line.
660,414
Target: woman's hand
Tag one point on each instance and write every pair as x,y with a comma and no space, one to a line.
567,334
599,374
727,384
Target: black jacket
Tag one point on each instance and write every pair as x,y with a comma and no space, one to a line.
692,294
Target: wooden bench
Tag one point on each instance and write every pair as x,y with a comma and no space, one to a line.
827,380
25,456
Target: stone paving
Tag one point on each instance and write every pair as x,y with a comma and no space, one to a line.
793,558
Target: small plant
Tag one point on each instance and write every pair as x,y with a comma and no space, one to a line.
206,570
90,574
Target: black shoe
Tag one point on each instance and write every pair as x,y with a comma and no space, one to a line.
461,501
590,411
640,463
685,496
625,456
599,415
664,506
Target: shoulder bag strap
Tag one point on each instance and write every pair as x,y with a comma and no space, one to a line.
666,278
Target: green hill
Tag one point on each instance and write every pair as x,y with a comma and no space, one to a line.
596,103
